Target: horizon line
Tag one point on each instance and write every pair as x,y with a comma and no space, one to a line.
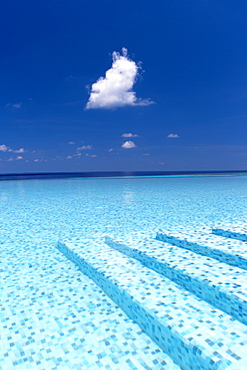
114,174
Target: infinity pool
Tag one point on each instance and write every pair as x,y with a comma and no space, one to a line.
53,316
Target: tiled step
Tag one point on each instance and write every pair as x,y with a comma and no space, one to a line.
232,252
221,285
193,333
237,232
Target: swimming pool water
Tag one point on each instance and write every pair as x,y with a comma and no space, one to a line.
52,315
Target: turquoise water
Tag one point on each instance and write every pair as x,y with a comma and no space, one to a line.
52,315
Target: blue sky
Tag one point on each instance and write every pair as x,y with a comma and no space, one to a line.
172,93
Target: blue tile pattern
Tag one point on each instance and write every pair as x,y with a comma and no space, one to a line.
196,335
236,232
54,317
232,252
219,284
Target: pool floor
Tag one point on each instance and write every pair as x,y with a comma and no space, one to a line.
55,315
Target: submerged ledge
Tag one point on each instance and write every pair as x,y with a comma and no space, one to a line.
115,174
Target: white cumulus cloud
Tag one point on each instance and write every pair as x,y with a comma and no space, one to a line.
3,148
128,145
115,89
173,136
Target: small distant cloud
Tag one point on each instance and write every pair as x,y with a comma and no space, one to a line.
110,150
70,78
128,145
15,105
78,154
85,147
71,142
115,89
10,159
130,135
3,148
91,156
146,154
173,136
21,150
36,160
19,157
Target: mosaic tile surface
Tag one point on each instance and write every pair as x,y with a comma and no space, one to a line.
217,283
230,251
187,328
238,232
35,214
54,317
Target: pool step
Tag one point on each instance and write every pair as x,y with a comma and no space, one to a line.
221,285
237,232
231,252
193,333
